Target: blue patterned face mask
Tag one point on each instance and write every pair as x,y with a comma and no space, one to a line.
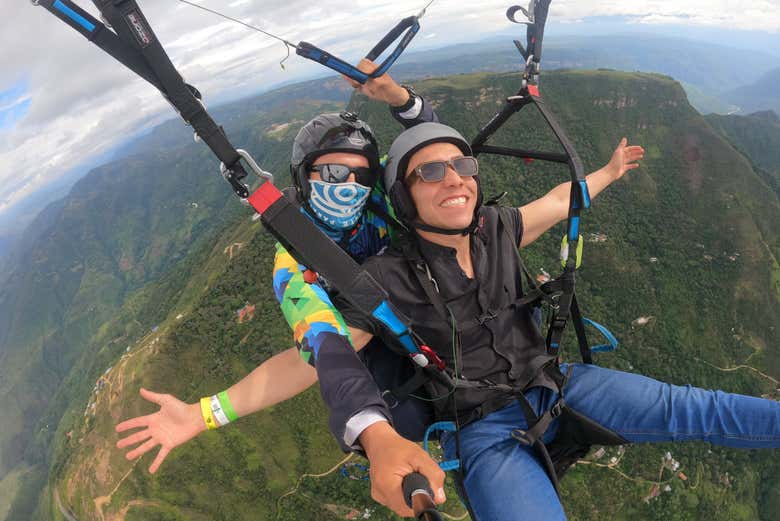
338,205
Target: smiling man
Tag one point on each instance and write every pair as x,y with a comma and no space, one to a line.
459,279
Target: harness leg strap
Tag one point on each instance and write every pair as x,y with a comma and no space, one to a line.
533,436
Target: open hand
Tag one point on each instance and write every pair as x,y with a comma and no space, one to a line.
625,158
174,424
384,88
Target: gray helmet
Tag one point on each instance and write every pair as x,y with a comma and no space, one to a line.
412,140
401,151
328,133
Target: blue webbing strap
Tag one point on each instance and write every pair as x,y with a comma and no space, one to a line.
73,14
384,314
410,24
444,427
606,333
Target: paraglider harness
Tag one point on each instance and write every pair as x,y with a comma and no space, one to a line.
133,43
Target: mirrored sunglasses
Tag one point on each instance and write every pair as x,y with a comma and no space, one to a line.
336,173
434,171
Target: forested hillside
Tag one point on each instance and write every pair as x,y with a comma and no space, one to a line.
148,268
757,137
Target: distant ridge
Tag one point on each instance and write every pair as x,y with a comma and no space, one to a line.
703,68
762,94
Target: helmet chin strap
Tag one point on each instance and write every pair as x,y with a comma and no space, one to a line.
447,231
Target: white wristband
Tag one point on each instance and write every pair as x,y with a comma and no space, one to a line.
219,414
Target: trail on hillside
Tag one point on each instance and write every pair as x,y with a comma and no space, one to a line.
336,508
736,368
65,512
322,475
101,501
104,399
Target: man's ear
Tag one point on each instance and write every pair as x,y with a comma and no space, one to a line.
402,202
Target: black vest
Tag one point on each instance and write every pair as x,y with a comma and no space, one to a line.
498,338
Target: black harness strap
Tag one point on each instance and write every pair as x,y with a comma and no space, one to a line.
579,329
402,392
563,307
529,95
560,317
131,25
538,425
422,273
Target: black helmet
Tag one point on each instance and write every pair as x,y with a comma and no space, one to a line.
401,151
329,133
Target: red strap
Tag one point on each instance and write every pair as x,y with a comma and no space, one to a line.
533,90
264,197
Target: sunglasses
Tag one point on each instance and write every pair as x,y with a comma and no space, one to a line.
336,173
434,171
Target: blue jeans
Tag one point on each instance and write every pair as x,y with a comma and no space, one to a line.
505,480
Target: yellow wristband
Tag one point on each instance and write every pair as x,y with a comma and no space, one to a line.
208,415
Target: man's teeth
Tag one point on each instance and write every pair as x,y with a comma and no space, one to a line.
455,201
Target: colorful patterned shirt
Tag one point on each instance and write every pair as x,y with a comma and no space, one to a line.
305,303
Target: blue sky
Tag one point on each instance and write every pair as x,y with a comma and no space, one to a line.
14,104
76,103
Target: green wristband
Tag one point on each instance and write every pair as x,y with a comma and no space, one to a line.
224,401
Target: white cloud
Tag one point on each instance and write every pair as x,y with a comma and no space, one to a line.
757,15
83,102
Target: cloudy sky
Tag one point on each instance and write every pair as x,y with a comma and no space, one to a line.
63,101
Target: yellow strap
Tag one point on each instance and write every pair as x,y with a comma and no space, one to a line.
578,252
208,415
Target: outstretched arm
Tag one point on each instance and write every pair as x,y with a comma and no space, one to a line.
277,379
547,211
407,109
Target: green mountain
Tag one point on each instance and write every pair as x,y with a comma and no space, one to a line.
704,69
757,137
681,263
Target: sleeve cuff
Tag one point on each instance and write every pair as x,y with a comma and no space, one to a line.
360,422
414,111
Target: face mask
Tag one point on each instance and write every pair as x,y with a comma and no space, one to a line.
338,205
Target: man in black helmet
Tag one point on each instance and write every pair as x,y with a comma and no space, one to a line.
335,168
458,279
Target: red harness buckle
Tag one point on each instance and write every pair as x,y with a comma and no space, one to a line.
433,357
